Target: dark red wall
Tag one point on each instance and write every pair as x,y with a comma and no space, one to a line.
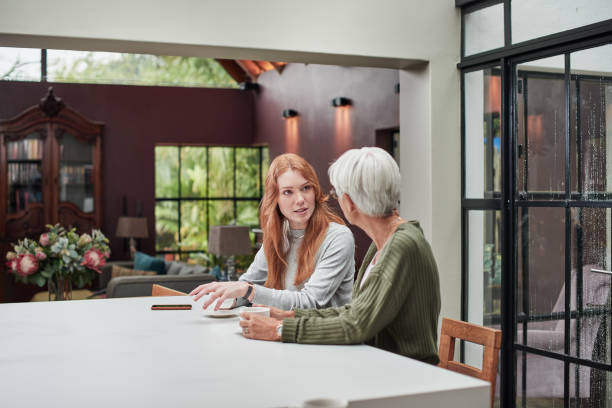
321,133
136,118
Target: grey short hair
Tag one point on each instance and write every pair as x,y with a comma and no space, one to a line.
371,177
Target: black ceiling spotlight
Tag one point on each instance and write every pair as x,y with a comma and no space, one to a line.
341,101
249,86
289,113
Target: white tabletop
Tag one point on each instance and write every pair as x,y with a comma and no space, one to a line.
118,352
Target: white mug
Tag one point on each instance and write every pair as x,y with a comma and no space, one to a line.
263,311
325,403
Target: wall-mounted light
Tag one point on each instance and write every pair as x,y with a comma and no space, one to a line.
396,88
341,101
249,86
289,113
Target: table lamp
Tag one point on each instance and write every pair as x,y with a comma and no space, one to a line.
132,227
229,240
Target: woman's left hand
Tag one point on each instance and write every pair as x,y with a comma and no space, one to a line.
259,327
219,291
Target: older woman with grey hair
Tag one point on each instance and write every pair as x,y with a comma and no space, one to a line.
396,296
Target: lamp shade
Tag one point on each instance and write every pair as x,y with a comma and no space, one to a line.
132,227
228,240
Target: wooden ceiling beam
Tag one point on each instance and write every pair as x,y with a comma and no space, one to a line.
250,67
265,65
233,69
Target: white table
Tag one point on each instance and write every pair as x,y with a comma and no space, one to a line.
117,352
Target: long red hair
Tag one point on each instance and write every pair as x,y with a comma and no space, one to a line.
271,221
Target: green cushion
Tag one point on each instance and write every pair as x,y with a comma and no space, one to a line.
144,262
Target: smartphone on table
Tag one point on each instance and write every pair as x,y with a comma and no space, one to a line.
171,307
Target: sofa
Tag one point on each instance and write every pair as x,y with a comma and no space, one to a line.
177,275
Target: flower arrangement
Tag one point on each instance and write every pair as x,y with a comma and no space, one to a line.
59,254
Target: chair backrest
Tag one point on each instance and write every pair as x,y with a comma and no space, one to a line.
159,290
490,338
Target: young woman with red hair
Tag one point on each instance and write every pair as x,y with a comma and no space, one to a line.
307,257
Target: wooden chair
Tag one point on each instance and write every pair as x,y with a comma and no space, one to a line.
491,340
159,290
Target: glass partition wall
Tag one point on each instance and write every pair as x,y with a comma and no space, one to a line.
537,196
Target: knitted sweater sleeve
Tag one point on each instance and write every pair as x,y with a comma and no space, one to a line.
374,307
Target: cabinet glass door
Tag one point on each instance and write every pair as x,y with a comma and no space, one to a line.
24,172
76,172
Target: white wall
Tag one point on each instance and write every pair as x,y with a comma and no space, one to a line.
423,36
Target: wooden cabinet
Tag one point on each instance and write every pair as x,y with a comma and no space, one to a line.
50,161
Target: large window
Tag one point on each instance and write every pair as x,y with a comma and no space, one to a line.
536,199
20,64
31,64
200,186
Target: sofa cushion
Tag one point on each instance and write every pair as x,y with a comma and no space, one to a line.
192,269
146,262
173,268
118,271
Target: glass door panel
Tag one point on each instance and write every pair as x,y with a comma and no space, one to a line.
25,172
564,249
590,293
540,294
591,121
539,381
484,266
589,387
540,107
76,172
482,155
532,19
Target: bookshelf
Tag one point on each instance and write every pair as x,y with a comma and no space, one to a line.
24,172
50,172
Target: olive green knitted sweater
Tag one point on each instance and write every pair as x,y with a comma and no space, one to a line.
396,309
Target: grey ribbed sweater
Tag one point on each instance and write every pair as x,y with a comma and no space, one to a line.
331,282
396,309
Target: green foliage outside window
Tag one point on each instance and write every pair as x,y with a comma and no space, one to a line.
136,69
195,189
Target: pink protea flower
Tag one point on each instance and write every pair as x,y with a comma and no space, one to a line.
12,265
94,259
44,239
40,255
26,264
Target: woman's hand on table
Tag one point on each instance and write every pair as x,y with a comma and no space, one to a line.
259,327
219,291
276,313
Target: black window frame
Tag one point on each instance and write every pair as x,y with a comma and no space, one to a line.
234,198
507,57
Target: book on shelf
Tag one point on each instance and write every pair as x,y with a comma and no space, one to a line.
24,173
25,149
23,198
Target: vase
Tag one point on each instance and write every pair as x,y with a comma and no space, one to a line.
60,287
